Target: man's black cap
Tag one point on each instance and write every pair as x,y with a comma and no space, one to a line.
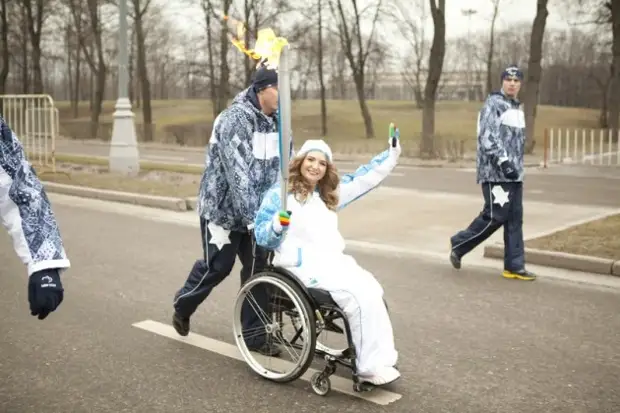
264,77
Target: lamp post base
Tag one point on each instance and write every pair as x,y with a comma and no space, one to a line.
124,157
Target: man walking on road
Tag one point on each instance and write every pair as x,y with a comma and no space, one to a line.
243,162
501,142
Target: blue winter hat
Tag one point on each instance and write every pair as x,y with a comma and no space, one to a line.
512,71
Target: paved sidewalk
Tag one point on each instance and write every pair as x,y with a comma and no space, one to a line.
424,221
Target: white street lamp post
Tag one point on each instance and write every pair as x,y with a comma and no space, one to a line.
124,157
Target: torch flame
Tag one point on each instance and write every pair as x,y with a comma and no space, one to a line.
266,49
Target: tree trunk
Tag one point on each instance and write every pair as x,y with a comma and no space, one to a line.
435,67
603,120
147,114
207,8
361,98
24,52
321,80
491,47
78,76
34,24
4,45
224,83
534,71
614,99
98,98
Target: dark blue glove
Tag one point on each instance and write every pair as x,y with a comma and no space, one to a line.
45,292
509,170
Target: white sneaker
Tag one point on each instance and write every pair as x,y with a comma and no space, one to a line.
384,375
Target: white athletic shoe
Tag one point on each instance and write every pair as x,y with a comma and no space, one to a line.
384,375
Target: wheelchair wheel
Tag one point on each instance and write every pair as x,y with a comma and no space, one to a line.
285,301
320,385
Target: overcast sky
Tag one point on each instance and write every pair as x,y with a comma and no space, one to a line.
511,11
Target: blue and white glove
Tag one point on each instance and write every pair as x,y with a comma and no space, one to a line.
45,292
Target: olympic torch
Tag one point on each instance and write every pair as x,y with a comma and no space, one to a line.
284,114
273,52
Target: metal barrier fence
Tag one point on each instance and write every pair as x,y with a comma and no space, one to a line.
34,119
582,146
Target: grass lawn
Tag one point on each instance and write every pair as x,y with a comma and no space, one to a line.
600,238
145,166
190,121
148,182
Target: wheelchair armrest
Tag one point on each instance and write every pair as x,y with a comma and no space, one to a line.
321,297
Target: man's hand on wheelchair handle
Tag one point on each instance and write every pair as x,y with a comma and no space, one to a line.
45,292
281,221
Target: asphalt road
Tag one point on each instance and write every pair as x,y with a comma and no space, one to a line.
576,185
469,341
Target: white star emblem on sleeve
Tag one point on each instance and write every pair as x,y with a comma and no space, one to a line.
500,196
219,235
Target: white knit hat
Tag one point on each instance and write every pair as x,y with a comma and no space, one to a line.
316,145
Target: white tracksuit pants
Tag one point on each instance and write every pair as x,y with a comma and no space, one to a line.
360,296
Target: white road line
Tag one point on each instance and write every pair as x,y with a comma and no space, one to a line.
343,385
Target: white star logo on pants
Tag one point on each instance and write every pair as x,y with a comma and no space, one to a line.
500,196
219,235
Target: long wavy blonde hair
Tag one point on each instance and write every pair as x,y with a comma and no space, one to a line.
301,188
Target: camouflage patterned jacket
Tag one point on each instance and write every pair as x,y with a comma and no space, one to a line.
242,163
501,135
25,210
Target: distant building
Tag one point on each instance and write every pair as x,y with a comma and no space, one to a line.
453,85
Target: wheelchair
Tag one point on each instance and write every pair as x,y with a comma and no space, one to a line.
311,311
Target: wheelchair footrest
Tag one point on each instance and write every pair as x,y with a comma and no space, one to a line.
360,387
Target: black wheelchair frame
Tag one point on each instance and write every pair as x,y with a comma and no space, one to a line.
325,312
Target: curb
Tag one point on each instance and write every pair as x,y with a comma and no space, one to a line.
562,260
153,201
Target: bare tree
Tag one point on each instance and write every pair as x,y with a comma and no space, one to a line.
356,51
489,88
534,71
320,68
4,45
435,67
36,13
208,11
224,86
140,9
92,16
614,88
412,18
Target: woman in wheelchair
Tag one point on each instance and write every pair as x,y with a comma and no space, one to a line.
306,242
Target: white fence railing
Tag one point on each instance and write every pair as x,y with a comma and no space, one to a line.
582,146
34,119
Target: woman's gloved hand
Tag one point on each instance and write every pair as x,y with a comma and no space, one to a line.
281,221
45,292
